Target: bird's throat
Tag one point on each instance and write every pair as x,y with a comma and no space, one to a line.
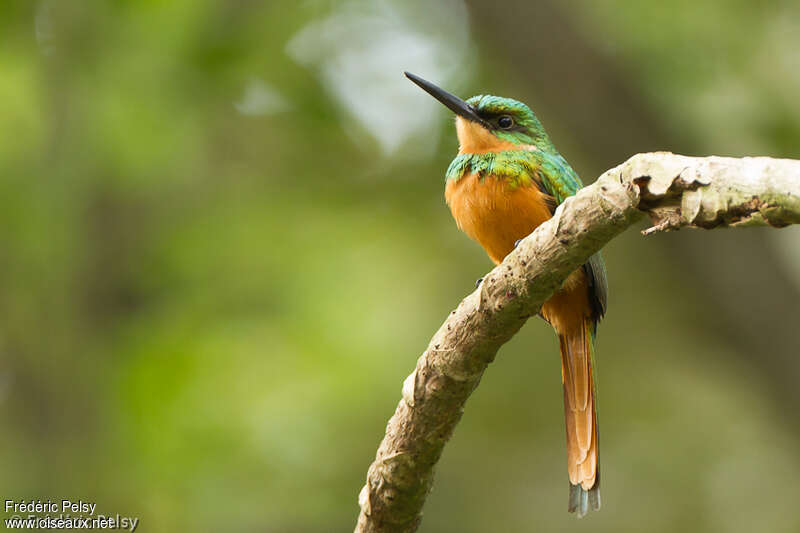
475,139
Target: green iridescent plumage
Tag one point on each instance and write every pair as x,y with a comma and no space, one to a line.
520,168
524,167
528,129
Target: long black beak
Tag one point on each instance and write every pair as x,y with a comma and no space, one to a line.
453,102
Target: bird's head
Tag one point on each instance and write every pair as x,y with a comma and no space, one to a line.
488,123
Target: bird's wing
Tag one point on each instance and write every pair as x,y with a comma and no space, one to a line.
557,176
559,180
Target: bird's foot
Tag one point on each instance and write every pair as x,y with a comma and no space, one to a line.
516,243
478,282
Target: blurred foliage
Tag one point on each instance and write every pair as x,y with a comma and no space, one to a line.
214,278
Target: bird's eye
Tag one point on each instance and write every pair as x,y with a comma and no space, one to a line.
505,122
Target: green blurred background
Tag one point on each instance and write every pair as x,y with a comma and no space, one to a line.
224,244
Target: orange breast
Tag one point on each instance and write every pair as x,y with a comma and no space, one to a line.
495,214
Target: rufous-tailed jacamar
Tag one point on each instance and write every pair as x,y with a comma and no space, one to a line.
506,180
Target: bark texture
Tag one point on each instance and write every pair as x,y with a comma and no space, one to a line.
676,191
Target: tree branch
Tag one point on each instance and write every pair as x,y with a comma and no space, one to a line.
676,191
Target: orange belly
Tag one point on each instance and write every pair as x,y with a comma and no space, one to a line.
496,215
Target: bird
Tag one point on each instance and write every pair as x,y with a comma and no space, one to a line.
506,179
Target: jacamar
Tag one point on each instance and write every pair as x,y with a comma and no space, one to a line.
506,180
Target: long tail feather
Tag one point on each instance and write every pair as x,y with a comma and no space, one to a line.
580,413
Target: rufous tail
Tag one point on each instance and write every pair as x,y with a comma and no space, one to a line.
580,410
